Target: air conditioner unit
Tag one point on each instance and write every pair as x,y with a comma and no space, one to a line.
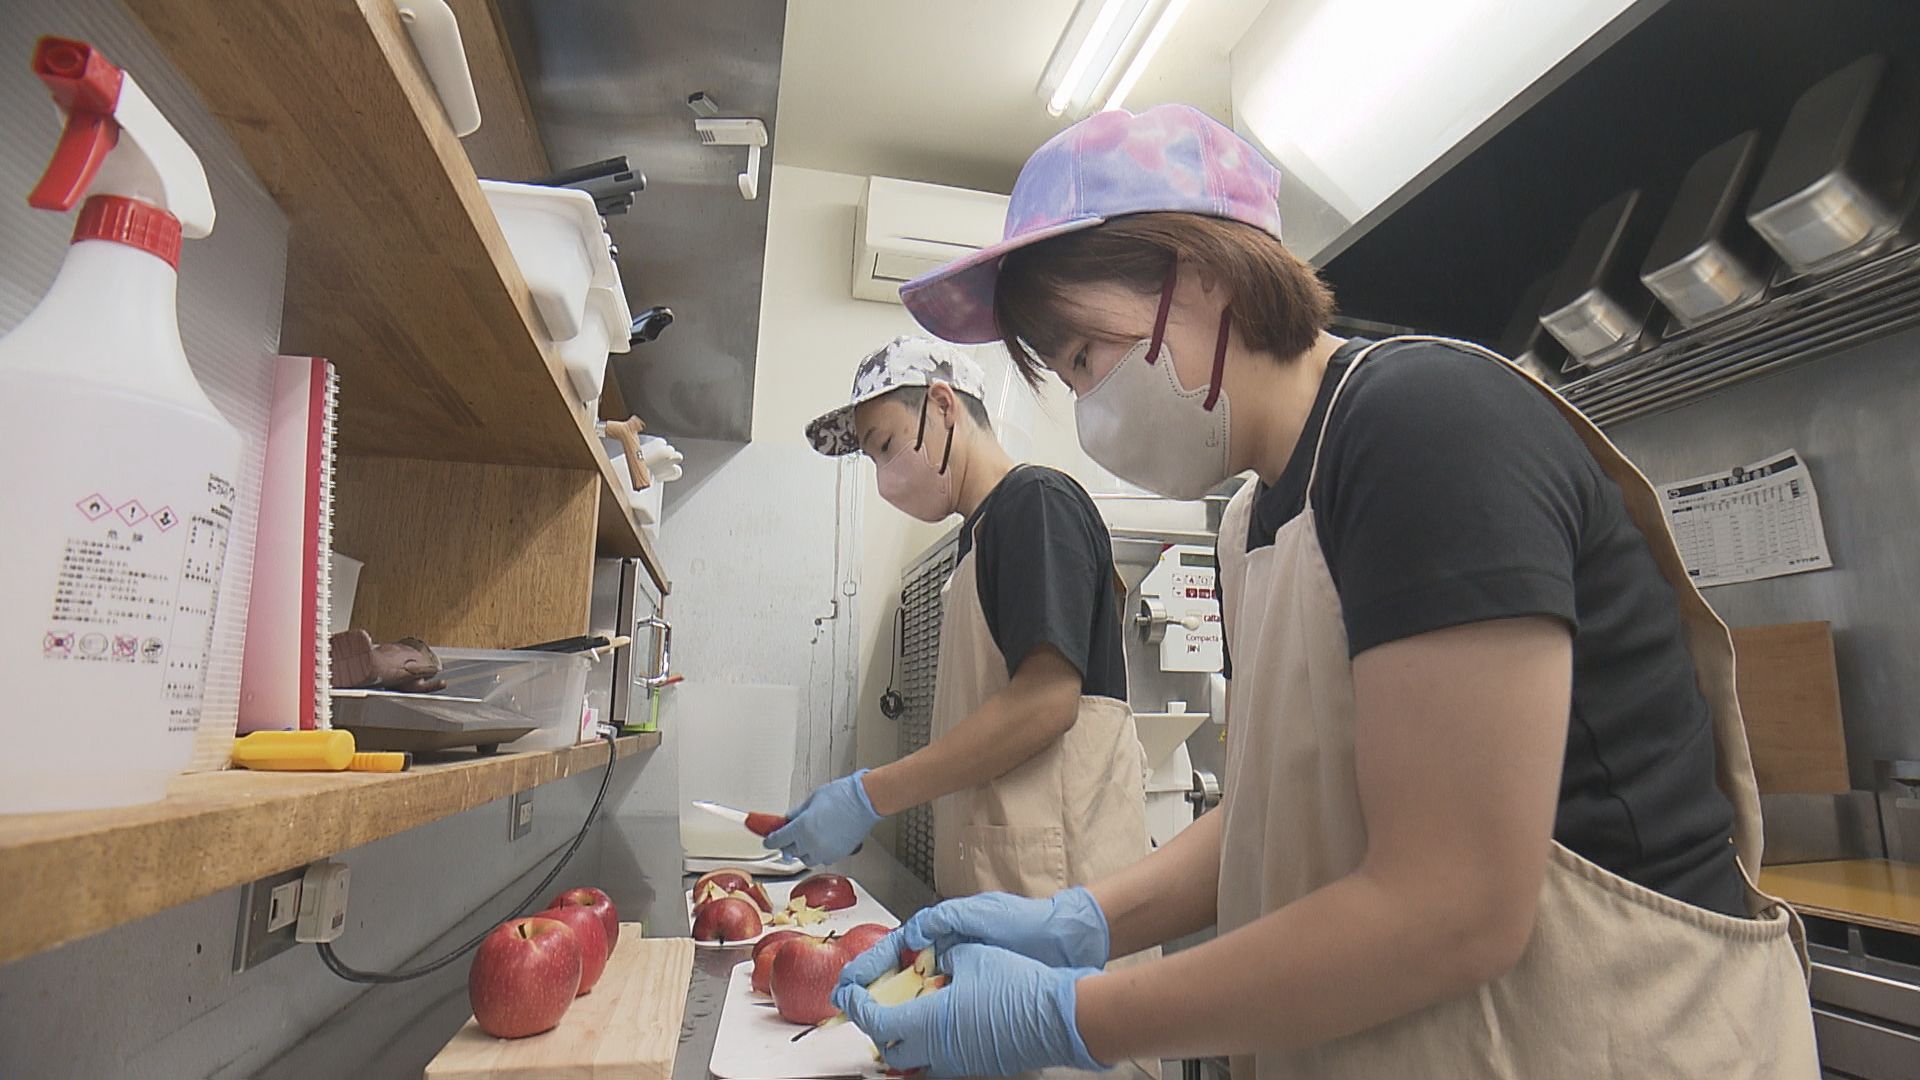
903,229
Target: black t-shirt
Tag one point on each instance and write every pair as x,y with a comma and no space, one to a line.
1045,576
1451,492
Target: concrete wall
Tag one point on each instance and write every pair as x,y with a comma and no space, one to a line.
1851,416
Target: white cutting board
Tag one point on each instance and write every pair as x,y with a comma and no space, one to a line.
753,1043
865,909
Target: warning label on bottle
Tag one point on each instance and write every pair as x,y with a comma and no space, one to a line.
141,587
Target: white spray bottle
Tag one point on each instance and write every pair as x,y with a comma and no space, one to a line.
116,472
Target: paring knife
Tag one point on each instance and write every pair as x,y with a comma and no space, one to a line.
758,824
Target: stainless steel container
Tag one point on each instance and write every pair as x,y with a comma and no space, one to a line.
1706,262
1840,180
1527,343
1597,307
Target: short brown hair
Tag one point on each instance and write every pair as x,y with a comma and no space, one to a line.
1276,300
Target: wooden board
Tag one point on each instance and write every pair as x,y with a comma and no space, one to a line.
473,556
396,270
215,831
1790,697
626,1028
1873,892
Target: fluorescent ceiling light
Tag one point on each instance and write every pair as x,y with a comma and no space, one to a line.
1433,71
1105,48
1156,37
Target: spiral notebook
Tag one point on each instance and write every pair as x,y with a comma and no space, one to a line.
284,672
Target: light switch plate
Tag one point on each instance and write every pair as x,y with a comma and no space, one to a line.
268,909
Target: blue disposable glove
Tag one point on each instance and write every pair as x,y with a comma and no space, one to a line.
1003,1014
829,824
1065,930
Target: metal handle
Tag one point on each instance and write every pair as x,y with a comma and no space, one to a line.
662,651
1205,793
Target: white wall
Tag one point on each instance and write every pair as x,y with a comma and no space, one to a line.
812,335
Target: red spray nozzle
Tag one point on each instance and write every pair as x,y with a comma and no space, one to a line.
86,85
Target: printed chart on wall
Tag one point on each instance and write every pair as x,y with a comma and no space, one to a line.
1750,522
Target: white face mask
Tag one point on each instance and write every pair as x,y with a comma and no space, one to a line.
1141,425
912,484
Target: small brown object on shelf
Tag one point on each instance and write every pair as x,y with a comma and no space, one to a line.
628,432
407,665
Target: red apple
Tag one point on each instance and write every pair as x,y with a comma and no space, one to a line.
729,877
830,891
804,973
591,933
763,953
861,938
733,879
524,977
726,919
765,824
597,902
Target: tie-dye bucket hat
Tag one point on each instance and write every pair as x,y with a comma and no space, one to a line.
1168,158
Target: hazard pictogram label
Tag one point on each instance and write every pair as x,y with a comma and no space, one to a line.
165,518
95,507
132,512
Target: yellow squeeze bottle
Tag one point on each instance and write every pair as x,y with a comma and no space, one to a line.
294,751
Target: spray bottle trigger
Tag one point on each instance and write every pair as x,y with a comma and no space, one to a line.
84,145
86,86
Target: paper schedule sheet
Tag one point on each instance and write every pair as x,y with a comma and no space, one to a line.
1749,522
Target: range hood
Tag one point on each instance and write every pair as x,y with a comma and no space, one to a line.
610,77
1363,102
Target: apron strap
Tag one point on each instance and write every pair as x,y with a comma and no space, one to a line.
1320,439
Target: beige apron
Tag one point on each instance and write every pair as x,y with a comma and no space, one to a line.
1070,815
1617,980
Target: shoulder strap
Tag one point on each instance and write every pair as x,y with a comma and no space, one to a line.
1320,438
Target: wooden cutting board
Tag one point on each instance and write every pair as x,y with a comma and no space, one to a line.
627,1028
1873,892
1789,694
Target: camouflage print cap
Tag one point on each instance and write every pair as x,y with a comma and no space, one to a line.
904,361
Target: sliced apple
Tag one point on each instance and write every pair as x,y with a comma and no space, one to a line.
901,985
800,913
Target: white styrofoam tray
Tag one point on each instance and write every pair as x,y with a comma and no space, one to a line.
865,909
753,1043
774,865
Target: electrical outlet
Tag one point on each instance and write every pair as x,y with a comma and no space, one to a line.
520,811
269,909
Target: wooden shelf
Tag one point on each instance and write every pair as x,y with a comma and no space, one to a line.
1871,892
397,270
219,830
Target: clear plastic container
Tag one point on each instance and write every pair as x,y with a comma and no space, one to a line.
548,688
